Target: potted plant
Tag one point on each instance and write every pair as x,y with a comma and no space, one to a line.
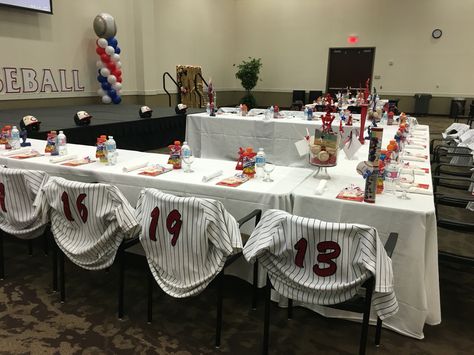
247,73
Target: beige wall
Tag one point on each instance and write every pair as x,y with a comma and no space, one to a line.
291,37
65,40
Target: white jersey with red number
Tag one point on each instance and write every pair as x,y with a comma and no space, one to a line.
89,221
186,240
322,263
20,210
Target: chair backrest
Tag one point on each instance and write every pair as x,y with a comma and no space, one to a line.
89,221
186,240
299,95
20,210
313,95
323,263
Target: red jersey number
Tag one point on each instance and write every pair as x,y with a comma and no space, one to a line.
173,224
324,257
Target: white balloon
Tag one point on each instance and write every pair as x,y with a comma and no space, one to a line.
102,43
101,92
118,65
105,72
109,50
111,79
117,86
106,99
115,57
99,64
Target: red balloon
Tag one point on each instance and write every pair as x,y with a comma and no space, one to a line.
117,73
111,65
119,79
104,58
100,50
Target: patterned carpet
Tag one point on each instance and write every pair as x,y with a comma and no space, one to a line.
33,321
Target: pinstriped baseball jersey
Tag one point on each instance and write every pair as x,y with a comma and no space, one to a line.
323,263
89,221
186,240
20,209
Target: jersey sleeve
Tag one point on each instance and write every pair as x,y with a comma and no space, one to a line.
125,214
264,235
222,228
376,260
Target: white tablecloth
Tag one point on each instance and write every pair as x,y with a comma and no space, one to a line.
221,136
239,201
415,260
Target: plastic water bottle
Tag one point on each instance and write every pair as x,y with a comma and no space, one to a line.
15,138
185,151
208,108
260,161
272,112
111,149
62,143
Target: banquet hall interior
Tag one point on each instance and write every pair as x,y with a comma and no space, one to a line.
342,95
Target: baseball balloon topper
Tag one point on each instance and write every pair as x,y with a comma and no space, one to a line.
109,66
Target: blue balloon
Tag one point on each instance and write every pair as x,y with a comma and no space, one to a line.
106,86
102,79
112,93
118,50
112,41
116,100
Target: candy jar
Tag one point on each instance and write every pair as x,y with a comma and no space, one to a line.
51,143
248,162
175,155
324,146
390,118
6,135
100,152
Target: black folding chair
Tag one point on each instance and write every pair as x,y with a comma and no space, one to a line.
358,304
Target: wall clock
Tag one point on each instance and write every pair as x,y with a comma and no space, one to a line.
437,33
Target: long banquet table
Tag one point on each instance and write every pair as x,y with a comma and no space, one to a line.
415,260
221,136
239,201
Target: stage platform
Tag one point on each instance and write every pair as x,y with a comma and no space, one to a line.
121,121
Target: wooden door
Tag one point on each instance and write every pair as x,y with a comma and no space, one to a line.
349,67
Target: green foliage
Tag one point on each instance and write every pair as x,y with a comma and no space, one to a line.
248,72
249,100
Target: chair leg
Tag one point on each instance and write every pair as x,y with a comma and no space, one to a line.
220,279
2,261
365,321
55,268
290,308
62,276
378,332
266,322
121,284
30,247
151,281
255,286
45,244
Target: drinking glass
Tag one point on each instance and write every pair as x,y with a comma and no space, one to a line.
188,160
268,168
406,178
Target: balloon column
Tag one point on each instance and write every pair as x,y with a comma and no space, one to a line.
109,66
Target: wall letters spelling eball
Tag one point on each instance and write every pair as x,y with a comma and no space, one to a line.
28,80
109,65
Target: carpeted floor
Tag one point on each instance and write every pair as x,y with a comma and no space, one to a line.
33,321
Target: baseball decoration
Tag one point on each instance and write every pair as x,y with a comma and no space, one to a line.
109,66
